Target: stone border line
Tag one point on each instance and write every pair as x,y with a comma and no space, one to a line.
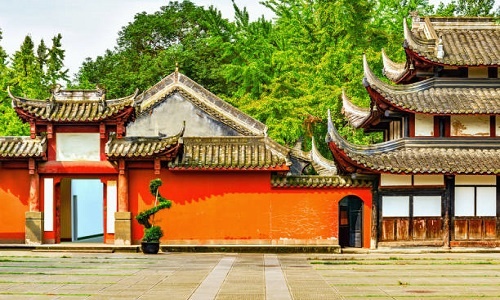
209,288
276,286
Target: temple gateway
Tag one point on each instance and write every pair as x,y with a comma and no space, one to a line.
84,170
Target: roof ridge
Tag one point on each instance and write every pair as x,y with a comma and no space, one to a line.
202,98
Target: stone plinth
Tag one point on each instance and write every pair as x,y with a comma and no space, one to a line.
34,228
123,228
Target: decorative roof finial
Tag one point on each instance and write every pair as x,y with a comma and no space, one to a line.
176,73
440,48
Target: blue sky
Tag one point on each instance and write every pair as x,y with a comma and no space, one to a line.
88,27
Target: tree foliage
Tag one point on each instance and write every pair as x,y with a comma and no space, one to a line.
286,72
30,73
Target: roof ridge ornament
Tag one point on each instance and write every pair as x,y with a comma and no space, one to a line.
440,48
415,19
176,72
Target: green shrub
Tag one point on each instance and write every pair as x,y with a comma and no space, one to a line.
153,233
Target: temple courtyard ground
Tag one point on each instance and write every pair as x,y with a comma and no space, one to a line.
74,275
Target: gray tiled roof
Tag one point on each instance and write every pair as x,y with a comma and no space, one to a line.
142,147
418,156
22,147
231,153
439,95
66,106
315,181
465,41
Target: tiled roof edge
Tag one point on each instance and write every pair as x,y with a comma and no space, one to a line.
315,181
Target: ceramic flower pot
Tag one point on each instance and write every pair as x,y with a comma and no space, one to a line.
150,247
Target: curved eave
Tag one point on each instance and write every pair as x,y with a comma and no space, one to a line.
378,90
415,43
93,111
337,146
323,166
356,116
424,52
394,71
436,96
203,99
417,156
144,148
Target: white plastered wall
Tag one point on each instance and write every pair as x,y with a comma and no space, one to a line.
470,126
424,125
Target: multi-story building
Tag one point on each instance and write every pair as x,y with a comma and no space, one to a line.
439,165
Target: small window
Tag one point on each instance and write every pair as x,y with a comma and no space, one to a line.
411,206
426,206
464,201
396,206
486,201
475,201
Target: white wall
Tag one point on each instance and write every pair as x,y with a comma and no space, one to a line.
78,147
424,125
470,125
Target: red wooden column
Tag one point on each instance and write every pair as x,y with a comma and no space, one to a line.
33,217
123,217
34,198
122,187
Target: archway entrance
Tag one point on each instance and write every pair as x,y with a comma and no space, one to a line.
82,206
351,222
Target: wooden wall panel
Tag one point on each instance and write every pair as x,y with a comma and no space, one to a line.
434,228
461,229
419,229
490,229
388,230
403,229
475,229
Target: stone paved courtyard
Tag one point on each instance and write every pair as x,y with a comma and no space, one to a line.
73,275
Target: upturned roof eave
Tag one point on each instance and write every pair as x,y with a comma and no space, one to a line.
124,109
394,71
357,117
385,95
404,156
120,148
425,50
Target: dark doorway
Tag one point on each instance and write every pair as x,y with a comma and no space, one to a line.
351,222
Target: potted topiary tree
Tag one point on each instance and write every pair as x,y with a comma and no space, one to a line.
152,233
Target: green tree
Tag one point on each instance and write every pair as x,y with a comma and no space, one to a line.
150,47
10,124
55,62
468,8
27,78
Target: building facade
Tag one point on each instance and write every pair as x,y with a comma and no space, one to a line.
438,167
86,166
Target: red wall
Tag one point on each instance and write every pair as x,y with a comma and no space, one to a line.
14,194
239,207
